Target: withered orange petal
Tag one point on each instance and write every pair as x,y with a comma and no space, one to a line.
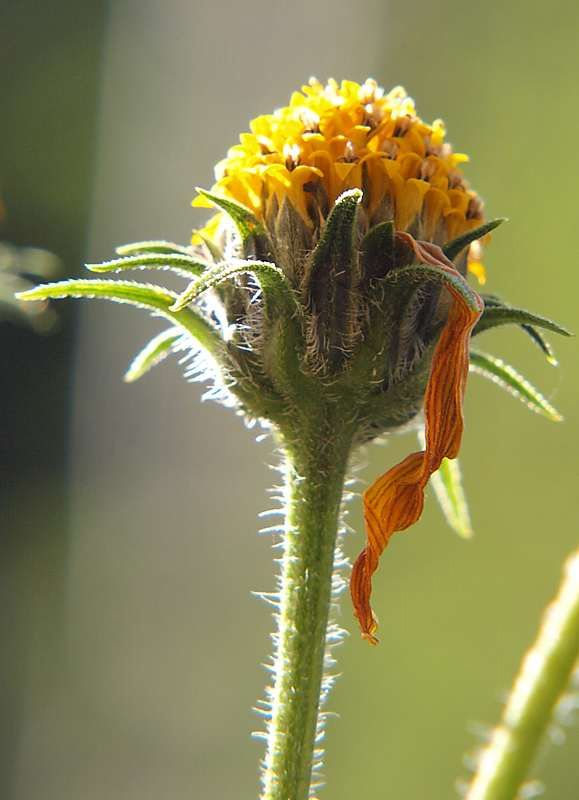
395,500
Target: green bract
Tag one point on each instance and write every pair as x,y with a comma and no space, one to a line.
343,322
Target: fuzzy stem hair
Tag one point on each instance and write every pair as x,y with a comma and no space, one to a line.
315,466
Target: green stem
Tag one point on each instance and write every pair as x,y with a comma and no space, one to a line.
543,677
316,459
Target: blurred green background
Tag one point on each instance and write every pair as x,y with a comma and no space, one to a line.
130,639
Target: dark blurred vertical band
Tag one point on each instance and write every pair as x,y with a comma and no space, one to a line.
50,56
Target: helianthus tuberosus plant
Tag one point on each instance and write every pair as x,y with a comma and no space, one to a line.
330,298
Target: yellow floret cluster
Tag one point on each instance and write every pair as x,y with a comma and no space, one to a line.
335,137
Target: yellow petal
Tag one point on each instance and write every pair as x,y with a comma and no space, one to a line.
479,271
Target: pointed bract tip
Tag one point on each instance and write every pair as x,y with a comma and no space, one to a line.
28,294
213,197
353,194
201,200
455,246
179,304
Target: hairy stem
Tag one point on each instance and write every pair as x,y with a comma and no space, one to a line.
315,465
543,677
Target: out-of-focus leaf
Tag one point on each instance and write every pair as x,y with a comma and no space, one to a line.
152,354
492,301
153,246
447,485
495,315
543,345
147,296
509,379
20,268
185,265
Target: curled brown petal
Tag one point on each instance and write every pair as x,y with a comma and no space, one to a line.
395,500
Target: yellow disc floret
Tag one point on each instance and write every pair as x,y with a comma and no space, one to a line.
343,136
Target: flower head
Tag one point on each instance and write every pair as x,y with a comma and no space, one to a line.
300,159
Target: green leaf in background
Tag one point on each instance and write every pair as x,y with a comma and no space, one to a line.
185,265
492,301
447,485
509,379
20,269
152,354
495,315
542,344
152,246
141,295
